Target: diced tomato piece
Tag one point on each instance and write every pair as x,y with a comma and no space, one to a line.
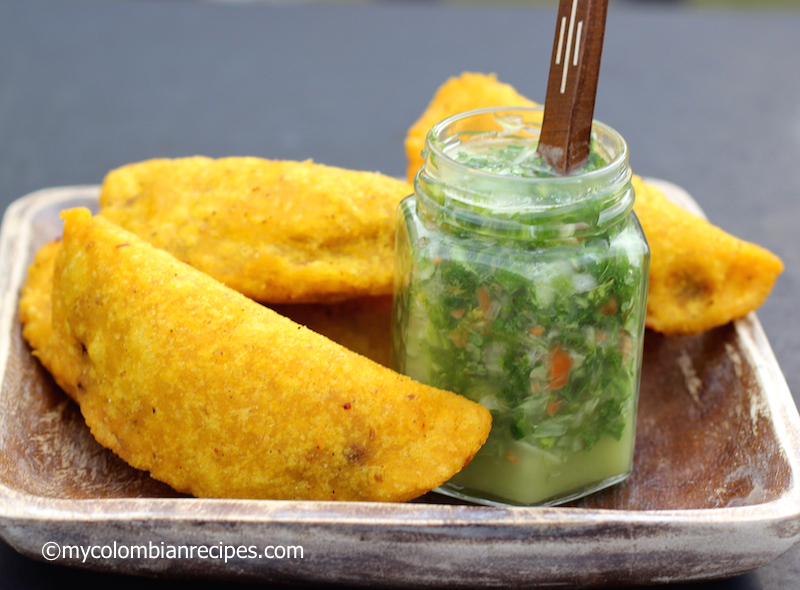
560,366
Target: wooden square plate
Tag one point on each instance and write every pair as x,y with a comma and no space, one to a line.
714,490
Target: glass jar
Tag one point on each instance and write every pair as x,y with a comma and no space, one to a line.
525,291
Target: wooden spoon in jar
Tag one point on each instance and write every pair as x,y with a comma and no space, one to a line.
572,85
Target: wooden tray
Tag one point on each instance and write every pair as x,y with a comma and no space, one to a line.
713,491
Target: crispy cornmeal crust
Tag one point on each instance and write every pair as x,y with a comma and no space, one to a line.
276,231
700,276
219,396
36,307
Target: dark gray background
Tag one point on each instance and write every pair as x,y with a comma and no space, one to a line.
708,99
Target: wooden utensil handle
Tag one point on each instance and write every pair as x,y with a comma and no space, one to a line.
572,85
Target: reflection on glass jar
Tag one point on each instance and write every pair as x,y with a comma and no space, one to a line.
525,291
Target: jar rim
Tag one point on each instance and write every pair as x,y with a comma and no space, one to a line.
620,156
465,195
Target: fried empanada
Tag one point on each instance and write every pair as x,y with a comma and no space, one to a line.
700,276
276,231
219,396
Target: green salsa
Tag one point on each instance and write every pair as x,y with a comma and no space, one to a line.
539,319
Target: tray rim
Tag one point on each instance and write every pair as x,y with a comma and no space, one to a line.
779,518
